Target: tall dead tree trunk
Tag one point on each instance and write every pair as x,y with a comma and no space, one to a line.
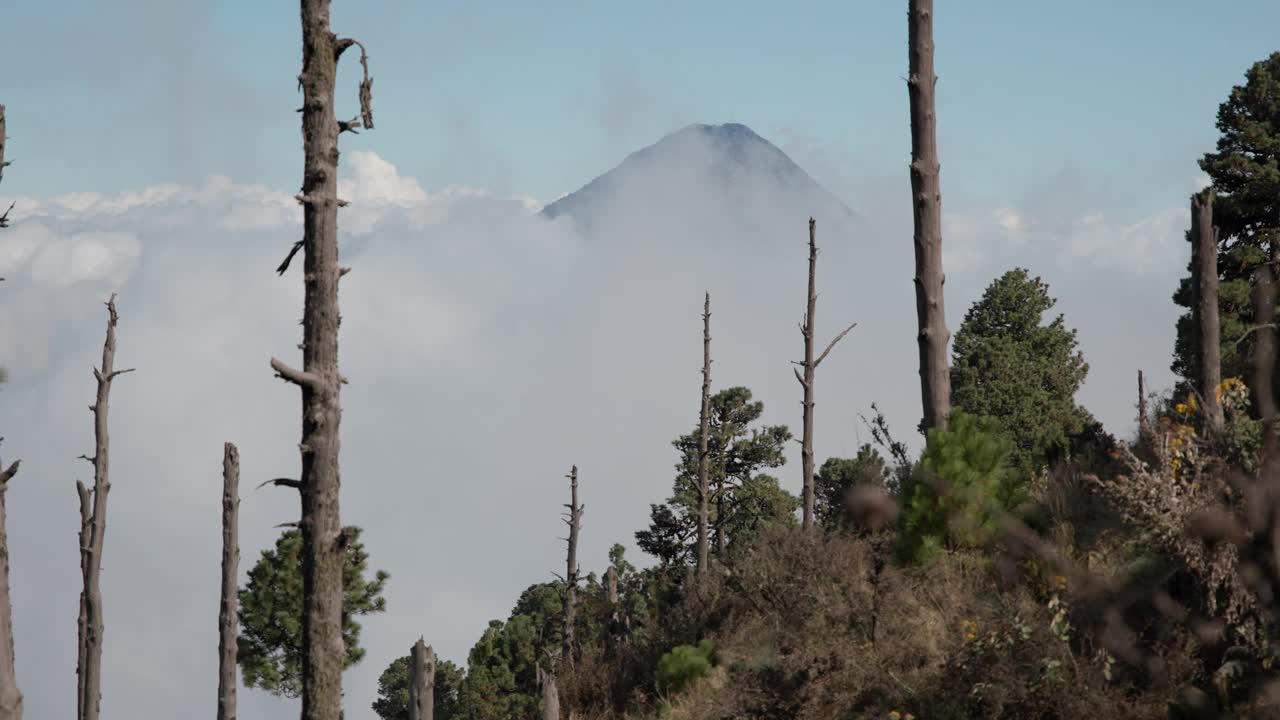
810,365
1204,276
10,697
228,626
422,684
1263,351
550,695
4,219
704,436
935,379
319,380
1144,429
574,520
1262,361
93,528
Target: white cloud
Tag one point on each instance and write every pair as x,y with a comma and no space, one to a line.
1149,245
487,349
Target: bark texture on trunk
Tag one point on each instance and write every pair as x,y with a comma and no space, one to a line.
1204,278
1263,352
228,623
810,366
422,683
704,437
1144,429
323,652
550,695
4,219
926,205
574,521
10,697
93,528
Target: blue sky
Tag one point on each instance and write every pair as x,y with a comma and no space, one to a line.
540,97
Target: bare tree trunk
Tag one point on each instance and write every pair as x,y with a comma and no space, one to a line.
227,621
550,695
422,685
1143,429
93,528
322,538
1263,355
574,521
1204,270
704,436
810,365
935,380
615,609
4,219
82,625
1263,366
10,696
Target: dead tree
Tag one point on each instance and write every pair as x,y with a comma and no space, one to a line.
422,684
574,520
1144,429
704,436
926,206
1264,346
4,219
618,620
93,528
10,697
228,627
550,694
1204,277
810,364
319,380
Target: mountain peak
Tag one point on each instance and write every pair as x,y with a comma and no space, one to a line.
726,168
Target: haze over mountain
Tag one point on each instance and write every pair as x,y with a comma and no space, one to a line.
700,177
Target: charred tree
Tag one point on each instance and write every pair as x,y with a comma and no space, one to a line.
574,520
93,528
422,682
1204,279
319,380
228,627
810,365
926,206
704,436
10,697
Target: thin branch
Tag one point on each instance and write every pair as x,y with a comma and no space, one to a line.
8,473
282,482
289,258
832,344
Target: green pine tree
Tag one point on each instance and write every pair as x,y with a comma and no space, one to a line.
270,642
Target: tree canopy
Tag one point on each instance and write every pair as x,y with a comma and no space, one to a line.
270,642
837,476
1245,172
1010,366
393,690
742,500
